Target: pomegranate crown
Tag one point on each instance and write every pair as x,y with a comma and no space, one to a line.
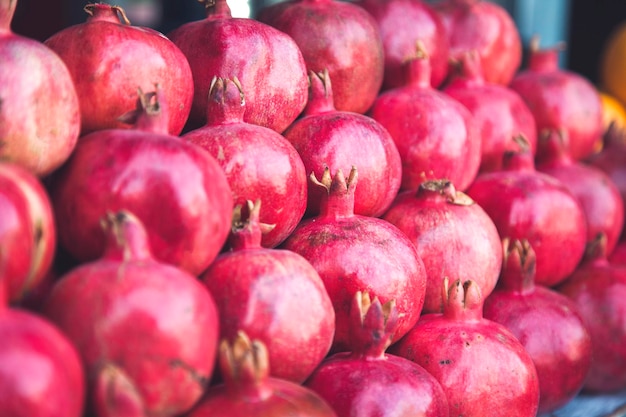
519,265
244,361
373,325
247,229
336,184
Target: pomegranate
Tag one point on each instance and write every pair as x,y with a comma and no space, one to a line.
483,369
250,390
326,137
178,190
146,352
259,163
353,253
273,295
401,23
598,195
268,63
547,324
526,204
560,98
453,235
39,109
597,288
443,142
366,380
486,27
337,36
498,111
618,255
109,58
27,231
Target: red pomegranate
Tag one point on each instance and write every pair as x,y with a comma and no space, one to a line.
483,369
178,190
453,235
368,381
326,137
273,295
109,59
443,142
498,111
561,99
337,36
39,111
268,63
147,332
359,253
547,324
259,163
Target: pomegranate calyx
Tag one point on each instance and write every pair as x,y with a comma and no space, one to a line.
462,300
150,114
338,200
544,59
245,365
553,147
418,67
115,395
216,9
446,189
373,325
247,229
519,266
320,94
126,237
467,69
226,105
7,11
521,159
106,13
614,136
595,250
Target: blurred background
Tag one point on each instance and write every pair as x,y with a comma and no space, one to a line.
583,24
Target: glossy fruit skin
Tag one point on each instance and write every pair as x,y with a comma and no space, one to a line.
143,348
401,23
339,37
453,235
268,63
109,59
39,111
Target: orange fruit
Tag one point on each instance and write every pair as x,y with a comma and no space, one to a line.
613,64
612,111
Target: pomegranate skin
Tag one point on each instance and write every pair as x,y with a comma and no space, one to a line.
267,62
339,37
546,322
40,114
109,59
453,236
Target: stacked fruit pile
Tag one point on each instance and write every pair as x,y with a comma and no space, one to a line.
332,209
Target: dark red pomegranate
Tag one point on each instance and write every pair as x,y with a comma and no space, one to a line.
486,27
483,369
598,195
547,324
453,235
561,99
359,253
39,111
147,332
443,142
337,36
178,190
527,204
259,163
618,256
273,295
109,59
250,390
499,112
401,23
267,62
368,381
326,137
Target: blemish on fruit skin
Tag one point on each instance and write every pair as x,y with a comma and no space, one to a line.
445,362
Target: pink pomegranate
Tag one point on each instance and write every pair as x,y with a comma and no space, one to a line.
268,63
598,195
453,235
486,27
561,99
401,23
353,253
109,59
337,36
483,369
273,295
39,111
547,324
498,111
443,142
366,380
526,204
326,137
250,390
147,332
259,163
178,190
